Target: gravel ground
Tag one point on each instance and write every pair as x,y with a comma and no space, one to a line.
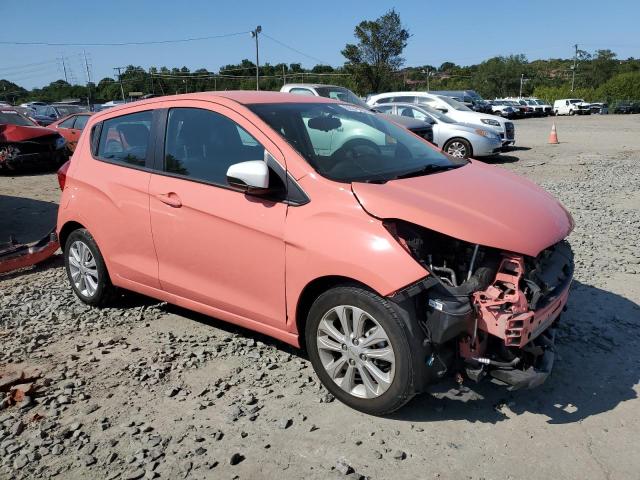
146,390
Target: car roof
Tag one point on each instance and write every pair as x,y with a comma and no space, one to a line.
243,97
313,85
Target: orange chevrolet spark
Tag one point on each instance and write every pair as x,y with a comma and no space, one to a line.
325,226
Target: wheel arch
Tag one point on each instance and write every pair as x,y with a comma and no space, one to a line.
66,230
313,290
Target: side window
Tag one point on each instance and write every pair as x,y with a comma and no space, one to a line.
425,100
567,103
202,145
125,139
383,100
301,91
404,99
385,108
417,114
81,122
68,123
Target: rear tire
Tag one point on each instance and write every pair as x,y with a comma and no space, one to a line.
86,270
359,347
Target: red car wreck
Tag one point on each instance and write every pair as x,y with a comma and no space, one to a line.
25,145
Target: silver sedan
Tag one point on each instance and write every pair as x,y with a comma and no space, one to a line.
456,139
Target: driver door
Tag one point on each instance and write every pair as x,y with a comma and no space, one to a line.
216,246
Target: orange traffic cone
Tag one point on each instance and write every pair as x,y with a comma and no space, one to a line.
553,136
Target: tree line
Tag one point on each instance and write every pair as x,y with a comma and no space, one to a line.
373,64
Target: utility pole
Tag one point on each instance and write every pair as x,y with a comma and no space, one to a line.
120,80
575,65
521,80
86,66
254,34
284,76
64,68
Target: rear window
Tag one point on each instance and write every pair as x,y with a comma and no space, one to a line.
125,139
14,118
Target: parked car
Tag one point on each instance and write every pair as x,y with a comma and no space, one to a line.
531,108
47,114
546,108
624,107
456,139
393,263
343,94
571,106
453,109
469,98
25,145
599,108
71,127
502,109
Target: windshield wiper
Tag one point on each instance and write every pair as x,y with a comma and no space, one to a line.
427,169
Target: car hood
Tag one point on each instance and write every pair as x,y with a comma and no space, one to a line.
476,203
17,133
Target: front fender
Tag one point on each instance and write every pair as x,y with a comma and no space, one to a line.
336,237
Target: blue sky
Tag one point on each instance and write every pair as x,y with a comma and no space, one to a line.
464,32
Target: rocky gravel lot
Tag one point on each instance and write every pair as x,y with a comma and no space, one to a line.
147,390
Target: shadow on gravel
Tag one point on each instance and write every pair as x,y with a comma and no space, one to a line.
235,329
500,159
27,219
596,370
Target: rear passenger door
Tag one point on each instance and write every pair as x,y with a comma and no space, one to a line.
216,246
113,196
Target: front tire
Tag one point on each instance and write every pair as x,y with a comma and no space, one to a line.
458,147
86,270
359,347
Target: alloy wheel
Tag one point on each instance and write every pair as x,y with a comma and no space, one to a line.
355,351
83,268
457,149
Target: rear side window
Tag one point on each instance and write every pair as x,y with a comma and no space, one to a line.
68,123
125,139
301,91
81,122
202,145
404,99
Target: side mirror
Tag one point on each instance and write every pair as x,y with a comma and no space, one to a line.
250,177
53,115
442,109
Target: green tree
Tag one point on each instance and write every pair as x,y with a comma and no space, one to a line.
378,51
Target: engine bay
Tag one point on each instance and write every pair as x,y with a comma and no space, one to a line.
488,311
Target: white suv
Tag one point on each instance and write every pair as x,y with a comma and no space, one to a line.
454,109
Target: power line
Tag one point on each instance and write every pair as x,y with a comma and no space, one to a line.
295,49
119,44
28,66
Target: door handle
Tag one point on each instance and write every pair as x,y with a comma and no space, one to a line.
171,199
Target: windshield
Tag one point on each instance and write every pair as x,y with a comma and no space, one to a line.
342,94
64,110
349,144
455,104
14,118
576,100
540,102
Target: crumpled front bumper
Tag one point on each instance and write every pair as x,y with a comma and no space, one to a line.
536,374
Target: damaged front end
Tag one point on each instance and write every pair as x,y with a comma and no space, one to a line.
486,311
47,151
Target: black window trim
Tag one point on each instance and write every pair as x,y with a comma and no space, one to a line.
294,195
96,132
